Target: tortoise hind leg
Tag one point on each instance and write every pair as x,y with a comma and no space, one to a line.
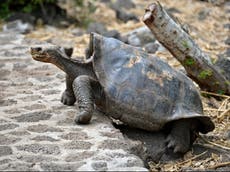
181,138
82,87
68,97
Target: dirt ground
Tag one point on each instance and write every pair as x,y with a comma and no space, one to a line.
207,24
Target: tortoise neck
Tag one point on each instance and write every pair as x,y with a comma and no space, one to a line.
74,68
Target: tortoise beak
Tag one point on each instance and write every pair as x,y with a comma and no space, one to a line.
35,50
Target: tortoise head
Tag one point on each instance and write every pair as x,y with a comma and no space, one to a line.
50,54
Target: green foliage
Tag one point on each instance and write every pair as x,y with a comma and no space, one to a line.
189,61
84,10
27,6
204,74
185,44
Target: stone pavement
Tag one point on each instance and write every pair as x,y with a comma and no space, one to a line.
37,132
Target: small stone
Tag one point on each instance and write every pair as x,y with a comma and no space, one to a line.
79,156
127,4
5,150
8,126
227,41
37,158
44,138
33,117
78,145
40,148
151,47
4,161
114,144
19,133
5,140
17,26
61,166
99,166
75,136
203,14
43,128
97,28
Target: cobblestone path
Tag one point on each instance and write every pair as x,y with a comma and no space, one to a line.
37,132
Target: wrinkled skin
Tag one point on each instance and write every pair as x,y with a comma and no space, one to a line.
87,83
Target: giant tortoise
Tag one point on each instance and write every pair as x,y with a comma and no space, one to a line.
132,86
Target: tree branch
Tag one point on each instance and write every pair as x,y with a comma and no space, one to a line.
197,64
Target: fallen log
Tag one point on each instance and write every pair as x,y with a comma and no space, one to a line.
197,63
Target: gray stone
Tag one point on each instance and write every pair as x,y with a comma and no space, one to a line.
44,138
5,150
97,28
61,166
35,107
20,166
140,37
37,158
4,161
151,47
75,136
17,26
8,126
43,128
113,144
33,117
99,166
5,140
227,41
7,102
127,4
78,145
40,148
19,133
79,156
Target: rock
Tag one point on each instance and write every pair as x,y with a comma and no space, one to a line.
61,166
40,128
227,41
227,26
78,145
127,4
223,64
99,166
40,148
203,14
113,34
5,150
124,16
79,156
33,117
8,126
97,28
77,32
139,37
18,26
151,47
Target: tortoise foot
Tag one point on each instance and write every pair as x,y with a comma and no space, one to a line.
177,143
68,98
83,118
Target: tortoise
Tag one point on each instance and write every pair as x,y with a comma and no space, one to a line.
132,86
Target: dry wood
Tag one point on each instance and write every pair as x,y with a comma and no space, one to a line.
197,64
214,144
222,164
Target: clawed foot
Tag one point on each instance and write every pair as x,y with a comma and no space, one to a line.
68,98
177,143
83,118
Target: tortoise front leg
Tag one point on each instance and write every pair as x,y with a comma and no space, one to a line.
68,97
82,87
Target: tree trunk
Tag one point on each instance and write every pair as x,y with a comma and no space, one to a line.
197,64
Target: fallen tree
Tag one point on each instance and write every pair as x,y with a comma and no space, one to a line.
197,63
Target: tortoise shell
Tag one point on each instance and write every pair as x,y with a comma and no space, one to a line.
142,90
